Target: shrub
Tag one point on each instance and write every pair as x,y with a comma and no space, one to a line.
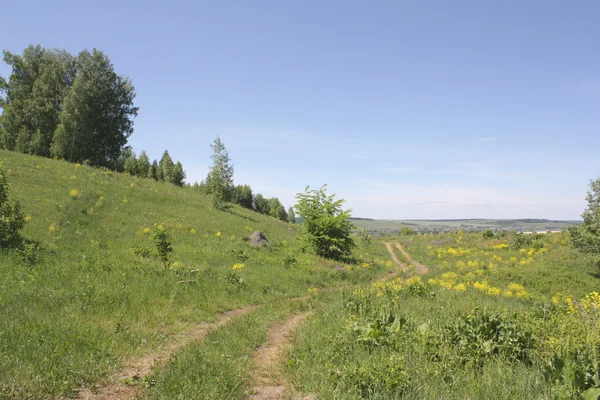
162,240
326,227
12,218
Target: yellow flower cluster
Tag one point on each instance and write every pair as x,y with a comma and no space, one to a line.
382,288
74,193
146,230
453,252
53,227
218,234
313,290
238,267
27,218
501,246
193,231
413,281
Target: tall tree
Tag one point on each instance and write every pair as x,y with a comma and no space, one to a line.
130,163
220,177
586,237
33,97
144,165
154,171
97,115
166,168
178,176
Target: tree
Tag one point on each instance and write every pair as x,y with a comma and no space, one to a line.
130,163
261,205
144,165
154,171
166,168
326,228
11,217
97,115
178,175
242,195
34,96
276,209
586,237
291,217
220,178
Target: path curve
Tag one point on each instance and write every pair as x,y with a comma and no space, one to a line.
269,382
420,268
116,388
390,250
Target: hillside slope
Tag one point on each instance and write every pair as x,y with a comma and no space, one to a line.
97,295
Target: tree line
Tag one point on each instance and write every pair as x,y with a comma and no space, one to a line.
219,184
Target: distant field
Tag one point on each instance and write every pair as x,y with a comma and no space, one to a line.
386,225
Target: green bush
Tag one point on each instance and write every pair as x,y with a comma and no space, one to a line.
326,228
12,218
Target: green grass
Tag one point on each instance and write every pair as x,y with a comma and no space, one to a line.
92,300
352,350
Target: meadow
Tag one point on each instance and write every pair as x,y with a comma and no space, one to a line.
509,317
504,317
98,295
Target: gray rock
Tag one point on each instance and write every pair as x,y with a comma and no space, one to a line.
257,238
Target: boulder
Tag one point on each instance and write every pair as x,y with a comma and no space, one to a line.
258,238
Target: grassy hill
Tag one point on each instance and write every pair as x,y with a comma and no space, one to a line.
97,296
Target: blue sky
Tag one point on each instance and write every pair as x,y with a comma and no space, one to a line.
406,109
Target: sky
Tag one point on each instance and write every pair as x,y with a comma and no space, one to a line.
405,109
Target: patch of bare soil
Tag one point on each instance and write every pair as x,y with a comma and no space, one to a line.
390,250
117,387
268,377
420,268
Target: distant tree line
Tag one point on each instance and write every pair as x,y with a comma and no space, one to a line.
219,185
77,108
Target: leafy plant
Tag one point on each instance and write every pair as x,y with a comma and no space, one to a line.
162,241
480,335
220,178
12,218
326,227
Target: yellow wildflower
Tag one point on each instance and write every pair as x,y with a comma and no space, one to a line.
238,267
27,218
125,201
53,227
77,165
132,185
507,293
460,287
74,193
432,282
313,290
146,230
193,231
492,291
218,234
515,287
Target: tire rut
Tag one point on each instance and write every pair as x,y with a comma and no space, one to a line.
116,388
390,249
419,268
269,383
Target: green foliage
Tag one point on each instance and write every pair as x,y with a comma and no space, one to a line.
242,195
488,234
220,178
96,118
365,238
380,331
261,205
35,93
12,218
406,231
482,334
326,228
291,216
276,209
586,237
162,241
143,165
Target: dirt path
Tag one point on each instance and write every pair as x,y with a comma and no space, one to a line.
269,382
116,388
420,268
390,250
